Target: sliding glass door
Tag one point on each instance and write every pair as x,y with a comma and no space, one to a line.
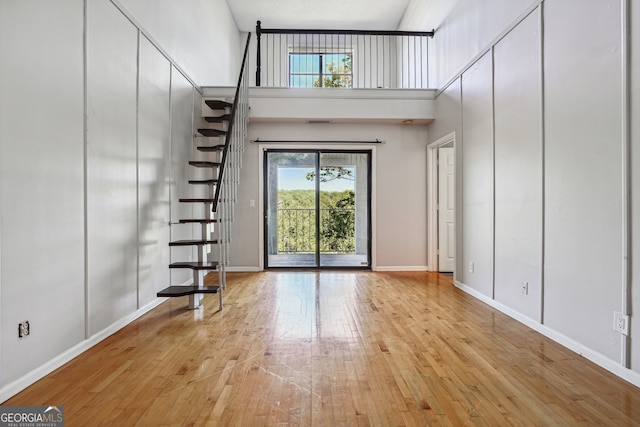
317,208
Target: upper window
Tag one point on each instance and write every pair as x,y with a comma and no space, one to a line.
320,69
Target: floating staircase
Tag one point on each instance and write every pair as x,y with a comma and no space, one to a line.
230,121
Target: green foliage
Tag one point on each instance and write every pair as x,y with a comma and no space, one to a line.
337,229
330,173
297,221
337,76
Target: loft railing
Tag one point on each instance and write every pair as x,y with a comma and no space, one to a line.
226,192
297,231
342,58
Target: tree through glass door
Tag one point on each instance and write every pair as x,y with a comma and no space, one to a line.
317,210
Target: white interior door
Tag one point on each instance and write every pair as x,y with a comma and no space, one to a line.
446,212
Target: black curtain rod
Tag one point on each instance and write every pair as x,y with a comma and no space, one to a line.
298,141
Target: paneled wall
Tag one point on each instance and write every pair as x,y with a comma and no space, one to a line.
154,171
41,183
477,177
200,35
539,116
583,172
466,32
518,169
94,144
634,118
112,46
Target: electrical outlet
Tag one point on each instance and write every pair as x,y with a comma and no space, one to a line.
621,323
23,329
472,266
525,288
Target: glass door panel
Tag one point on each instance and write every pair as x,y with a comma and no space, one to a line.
317,208
290,217
344,209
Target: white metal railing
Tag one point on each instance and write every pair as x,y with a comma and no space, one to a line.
342,58
226,193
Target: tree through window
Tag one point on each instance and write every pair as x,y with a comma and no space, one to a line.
320,69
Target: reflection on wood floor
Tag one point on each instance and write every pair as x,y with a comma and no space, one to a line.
333,348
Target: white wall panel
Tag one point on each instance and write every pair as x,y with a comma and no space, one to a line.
181,153
41,182
583,191
477,177
154,172
206,27
111,164
245,248
401,198
635,146
469,28
518,169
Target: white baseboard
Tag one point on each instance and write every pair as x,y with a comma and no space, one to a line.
20,384
597,358
401,268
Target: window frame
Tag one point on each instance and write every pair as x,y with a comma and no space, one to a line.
318,55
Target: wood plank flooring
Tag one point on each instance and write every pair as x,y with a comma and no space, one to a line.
333,349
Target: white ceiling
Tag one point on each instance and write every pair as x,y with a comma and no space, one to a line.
320,14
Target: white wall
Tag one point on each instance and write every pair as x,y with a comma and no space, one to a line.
111,165
200,35
477,178
182,125
542,147
583,180
635,159
154,171
338,105
41,182
467,30
76,284
399,173
518,169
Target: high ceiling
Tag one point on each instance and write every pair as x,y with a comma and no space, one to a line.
320,14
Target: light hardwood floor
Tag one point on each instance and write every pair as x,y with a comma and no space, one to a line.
329,349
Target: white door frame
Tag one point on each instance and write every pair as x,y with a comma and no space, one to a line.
302,146
432,199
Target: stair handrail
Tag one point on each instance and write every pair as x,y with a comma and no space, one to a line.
232,118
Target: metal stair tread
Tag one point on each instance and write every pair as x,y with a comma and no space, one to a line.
203,181
197,200
212,132
179,291
196,221
210,148
203,265
204,164
217,104
218,119
192,242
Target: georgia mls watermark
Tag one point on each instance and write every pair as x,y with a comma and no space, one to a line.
31,416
